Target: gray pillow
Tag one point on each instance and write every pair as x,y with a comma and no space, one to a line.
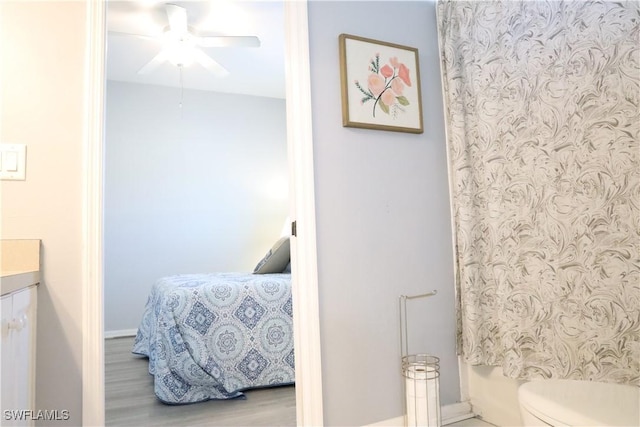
276,259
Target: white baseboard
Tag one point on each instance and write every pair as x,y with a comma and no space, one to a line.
393,422
456,412
449,413
120,333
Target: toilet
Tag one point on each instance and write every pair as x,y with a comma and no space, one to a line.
578,403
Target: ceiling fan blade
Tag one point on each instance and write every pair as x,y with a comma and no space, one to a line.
228,41
177,18
139,36
154,63
209,63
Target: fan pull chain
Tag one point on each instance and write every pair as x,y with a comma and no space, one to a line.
181,87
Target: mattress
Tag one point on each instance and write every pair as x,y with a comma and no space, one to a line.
212,336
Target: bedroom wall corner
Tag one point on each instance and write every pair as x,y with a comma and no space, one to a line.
187,190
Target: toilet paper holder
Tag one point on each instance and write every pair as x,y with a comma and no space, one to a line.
421,376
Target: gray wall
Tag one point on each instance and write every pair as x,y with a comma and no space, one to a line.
202,189
383,222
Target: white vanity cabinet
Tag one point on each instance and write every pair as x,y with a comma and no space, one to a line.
18,332
18,354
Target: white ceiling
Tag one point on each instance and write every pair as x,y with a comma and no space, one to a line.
253,71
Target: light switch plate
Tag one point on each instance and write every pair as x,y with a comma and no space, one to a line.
13,162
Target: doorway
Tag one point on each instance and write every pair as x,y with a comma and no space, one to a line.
306,329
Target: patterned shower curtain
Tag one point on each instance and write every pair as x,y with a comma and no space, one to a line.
543,127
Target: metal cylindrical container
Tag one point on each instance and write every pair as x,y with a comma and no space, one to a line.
421,374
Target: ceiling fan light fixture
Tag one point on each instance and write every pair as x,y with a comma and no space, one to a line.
169,35
180,44
181,53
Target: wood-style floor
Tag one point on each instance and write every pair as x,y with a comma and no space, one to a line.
130,400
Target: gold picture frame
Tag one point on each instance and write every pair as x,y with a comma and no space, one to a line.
380,85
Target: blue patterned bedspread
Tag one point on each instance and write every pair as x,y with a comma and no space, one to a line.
210,336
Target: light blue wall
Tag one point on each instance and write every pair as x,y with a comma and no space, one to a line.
187,191
383,221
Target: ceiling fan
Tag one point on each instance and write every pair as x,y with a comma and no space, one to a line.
181,44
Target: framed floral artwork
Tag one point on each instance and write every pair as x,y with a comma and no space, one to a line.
380,85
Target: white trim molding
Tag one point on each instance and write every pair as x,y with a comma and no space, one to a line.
92,232
456,412
306,320
450,414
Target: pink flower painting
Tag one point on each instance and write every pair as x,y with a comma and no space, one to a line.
385,86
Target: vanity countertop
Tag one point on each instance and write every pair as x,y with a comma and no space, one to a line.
20,266
11,281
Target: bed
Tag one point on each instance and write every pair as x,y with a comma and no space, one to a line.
213,336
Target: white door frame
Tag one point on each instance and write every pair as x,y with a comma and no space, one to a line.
302,210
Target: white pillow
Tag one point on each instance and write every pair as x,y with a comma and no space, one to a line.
276,259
